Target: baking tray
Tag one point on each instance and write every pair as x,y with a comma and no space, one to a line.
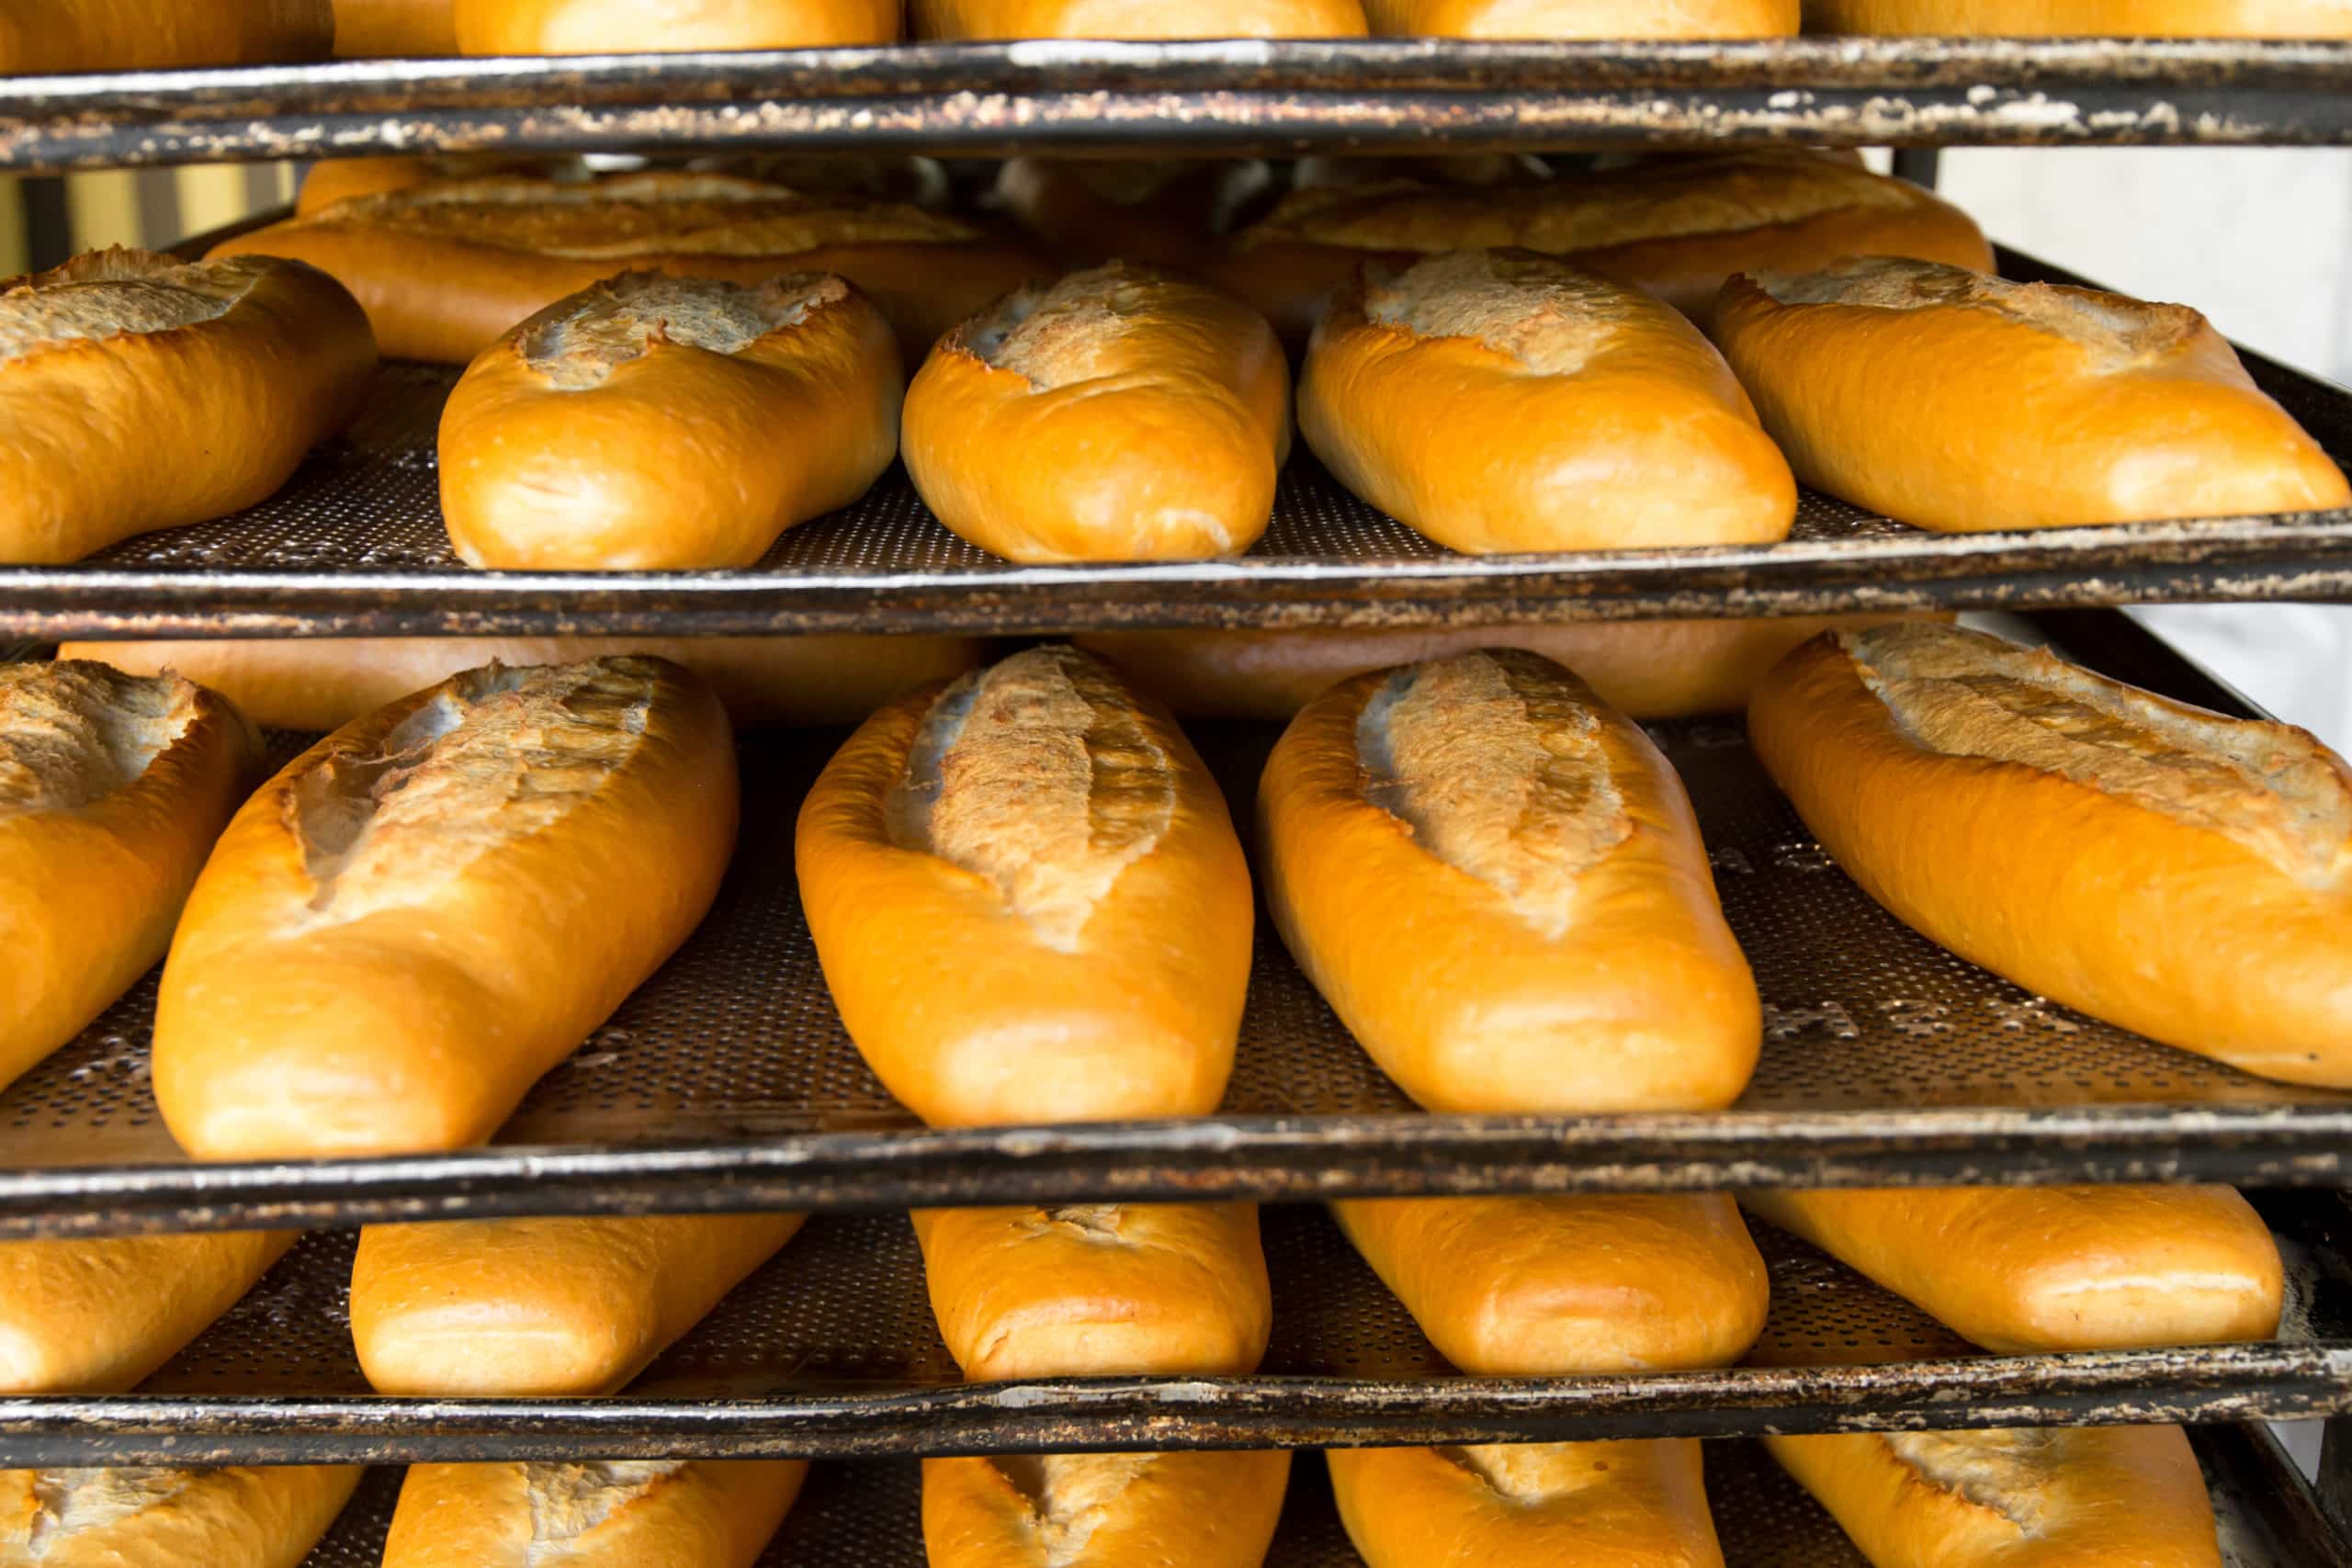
1212,96
830,1351
354,545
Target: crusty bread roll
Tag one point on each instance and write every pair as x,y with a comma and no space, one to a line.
267,1518
148,35
628,27
433,906
2086,18
1083,1290
112,790
1202,1510
367,30
342,179
1565,1286
1029,900
1502,401
1527,1505
444,269
617,1514
543,1306
635,427
2165,868
1584,18
2040,406
2057,1497
325,682
1122,414
1162,213
95,1316
142,392
1135,19
1497,882
1676,229
2027,1269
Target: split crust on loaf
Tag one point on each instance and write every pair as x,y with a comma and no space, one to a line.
120,293
68,1502
1071,1496
569,1501
73,732
1493,762
2006,1472
1040,775
2122,331
623,318
2272,789
1550,317
1069,333
1532,1472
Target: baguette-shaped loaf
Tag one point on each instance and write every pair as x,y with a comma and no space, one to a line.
1029,900
142,392
371,29
2029,1269
2065,1497
2039,406
2084,18
1677,230
96,1316
634,426
1502,401
325,682
444,268
436,904
543,1306
629,27
1085,1289
2165,868
1165,212
1202,1510
1497,881
1567,1286
1527,1505
1136,18
1121,414
615,1514
341,179
147,35
267,1517
1585,19
112,790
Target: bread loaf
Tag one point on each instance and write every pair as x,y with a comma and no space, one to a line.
1527,1505
1163,212
543,1306
38,36
444,269
169,1518
2019,1269
1568,1286
2038,406
1122,414
2086,18
2172,870
615,1514
341,179
1585,19
436,904
1202,1510
1497,882
377,29
1029,900
628,26
140,392
634,426
96,1316
112,790
1502,401
1135,19
1086,1290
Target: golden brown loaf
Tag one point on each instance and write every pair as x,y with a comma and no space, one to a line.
1674,229
2027,1269
1082,1290
96,1316
325,682
1201,1510
1164,212
1135,19
2180,873
112,790
1122,414
267,1518
341,179
377,29
1527,1505
433,906
140,392
1585,19
444,269
2086,18
146,35
2063,1497
635,425
2040,406
615,1514
543,1306
1029,900
625,27
1502,401
1563,1286
1497,882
